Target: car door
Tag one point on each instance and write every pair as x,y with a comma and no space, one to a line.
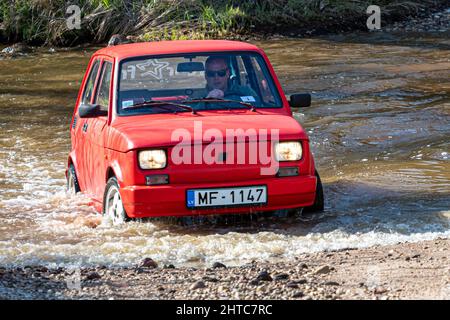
98,132
80,125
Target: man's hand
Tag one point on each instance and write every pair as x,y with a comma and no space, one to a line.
216,94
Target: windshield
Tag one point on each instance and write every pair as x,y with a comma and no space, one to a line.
202,82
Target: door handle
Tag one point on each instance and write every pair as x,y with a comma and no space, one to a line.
85,127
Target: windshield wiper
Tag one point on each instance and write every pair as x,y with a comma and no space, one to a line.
156,103
250,106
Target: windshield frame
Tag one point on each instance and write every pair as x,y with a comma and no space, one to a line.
257,55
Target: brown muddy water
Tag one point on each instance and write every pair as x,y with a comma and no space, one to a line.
379,129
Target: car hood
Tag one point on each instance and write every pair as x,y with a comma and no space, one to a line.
146,132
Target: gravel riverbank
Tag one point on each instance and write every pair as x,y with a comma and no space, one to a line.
433,22
402,271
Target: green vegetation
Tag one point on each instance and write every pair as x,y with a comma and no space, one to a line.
44,21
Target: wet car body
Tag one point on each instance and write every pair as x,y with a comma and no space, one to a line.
109,135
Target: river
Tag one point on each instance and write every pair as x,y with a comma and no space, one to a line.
379,129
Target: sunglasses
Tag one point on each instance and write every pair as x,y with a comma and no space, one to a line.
220,73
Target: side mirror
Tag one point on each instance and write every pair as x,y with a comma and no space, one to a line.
91,111
300,100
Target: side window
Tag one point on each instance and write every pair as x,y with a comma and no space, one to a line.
89,88
102,98
266,94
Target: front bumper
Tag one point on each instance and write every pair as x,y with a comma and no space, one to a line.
170,200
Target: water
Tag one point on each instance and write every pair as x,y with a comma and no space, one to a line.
379,129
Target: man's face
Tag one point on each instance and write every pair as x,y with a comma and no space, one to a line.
217,75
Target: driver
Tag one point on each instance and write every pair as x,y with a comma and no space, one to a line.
219,86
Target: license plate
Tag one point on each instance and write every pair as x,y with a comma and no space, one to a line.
226,196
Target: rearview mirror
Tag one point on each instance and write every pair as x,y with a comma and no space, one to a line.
300,100
91,111
190,66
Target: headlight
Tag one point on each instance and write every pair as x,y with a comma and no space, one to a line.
288,151
152,159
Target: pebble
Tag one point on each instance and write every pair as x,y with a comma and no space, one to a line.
42,269
218,265
210,279
298,294
322,270
261,289
281,276
340,291
140,270
331,283
380,290
198,285
149,263
264,276
254,282
93,276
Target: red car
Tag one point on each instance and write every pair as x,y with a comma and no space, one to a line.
179,128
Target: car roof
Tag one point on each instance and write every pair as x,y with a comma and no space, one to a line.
173,47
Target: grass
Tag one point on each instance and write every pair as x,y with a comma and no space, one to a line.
44,21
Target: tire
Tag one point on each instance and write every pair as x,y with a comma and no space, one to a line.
318,205
72,185
112,203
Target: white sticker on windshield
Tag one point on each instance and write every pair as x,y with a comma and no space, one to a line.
248,99
127,103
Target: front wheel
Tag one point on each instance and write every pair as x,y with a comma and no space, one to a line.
112,203
318,205
72,181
